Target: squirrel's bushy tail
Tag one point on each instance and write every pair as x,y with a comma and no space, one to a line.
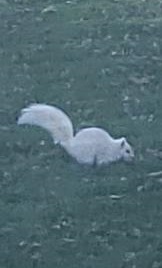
55,121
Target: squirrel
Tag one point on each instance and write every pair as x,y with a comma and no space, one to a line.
92,145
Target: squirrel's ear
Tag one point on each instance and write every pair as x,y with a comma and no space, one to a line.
123,141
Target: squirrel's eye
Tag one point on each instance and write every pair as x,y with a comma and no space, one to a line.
128,151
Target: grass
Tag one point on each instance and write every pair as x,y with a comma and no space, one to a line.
101,62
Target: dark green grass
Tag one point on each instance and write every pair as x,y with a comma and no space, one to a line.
100,61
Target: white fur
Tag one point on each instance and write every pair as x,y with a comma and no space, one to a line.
89,146
55,121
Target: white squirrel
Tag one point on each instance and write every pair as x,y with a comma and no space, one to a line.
91,145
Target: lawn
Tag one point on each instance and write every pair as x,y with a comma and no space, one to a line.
101,61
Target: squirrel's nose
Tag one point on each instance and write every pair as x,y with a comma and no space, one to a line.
132,155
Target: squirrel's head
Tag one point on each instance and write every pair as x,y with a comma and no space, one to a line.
126,150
